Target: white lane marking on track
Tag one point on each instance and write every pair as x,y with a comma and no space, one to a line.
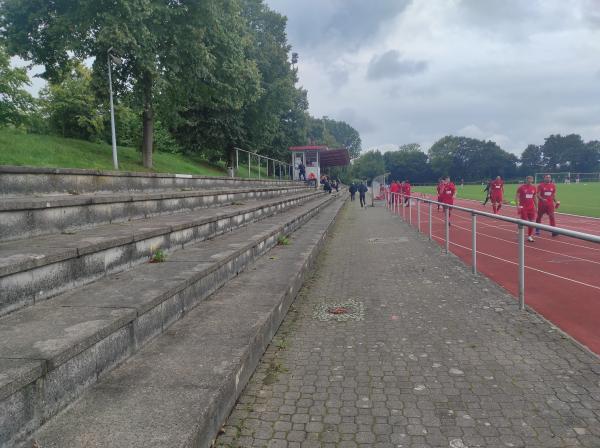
530,247
513,226
526,267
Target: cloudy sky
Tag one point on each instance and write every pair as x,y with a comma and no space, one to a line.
402,71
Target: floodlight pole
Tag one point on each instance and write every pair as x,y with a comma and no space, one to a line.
112,114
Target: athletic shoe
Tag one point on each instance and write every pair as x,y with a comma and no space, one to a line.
554,234
530,239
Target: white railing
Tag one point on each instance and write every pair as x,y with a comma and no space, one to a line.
282,165
395,202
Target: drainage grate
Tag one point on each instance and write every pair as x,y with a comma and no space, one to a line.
341,312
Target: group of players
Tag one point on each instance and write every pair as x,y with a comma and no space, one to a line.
402,188
532,202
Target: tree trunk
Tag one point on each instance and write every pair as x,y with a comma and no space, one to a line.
148,123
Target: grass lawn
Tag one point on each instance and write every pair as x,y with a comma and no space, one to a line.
578,199
17,148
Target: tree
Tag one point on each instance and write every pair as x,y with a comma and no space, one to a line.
72,108
471,159
563,153
344,135
15,101
532,160
171,50
368,165
409,162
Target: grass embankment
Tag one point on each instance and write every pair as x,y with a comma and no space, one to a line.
17,148
578,199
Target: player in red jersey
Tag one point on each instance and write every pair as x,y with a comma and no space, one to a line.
547,202
394,188
439,191
406,192
496,193
448,193
526,199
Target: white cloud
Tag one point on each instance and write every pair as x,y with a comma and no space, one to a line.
512,71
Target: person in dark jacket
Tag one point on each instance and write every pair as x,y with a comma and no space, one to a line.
362,191
352,190
326,184
301,172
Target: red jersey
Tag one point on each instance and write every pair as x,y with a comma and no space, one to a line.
496,187
395,188
526,195
447,192
406,188
547,191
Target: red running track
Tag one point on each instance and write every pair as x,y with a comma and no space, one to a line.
562,274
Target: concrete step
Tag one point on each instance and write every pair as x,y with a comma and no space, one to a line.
52,352
28,216
35,269
27,181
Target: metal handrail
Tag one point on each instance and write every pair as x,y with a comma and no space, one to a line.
397,201
260,156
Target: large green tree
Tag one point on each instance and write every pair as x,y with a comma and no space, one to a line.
471,159
172,50
368,165
344,135
408,163
15,101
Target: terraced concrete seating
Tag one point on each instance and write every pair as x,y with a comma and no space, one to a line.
24,217
26,181
50,353
35,269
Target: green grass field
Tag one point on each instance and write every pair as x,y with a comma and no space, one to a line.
17,148
578,199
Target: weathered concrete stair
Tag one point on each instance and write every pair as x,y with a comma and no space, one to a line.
24,217
23,180
35,269
51,352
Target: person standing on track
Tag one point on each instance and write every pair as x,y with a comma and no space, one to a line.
394,189
486,190
448,194
547,202
406,192
496,193
439,191
526,199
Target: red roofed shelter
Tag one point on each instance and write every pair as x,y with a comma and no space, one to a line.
317,157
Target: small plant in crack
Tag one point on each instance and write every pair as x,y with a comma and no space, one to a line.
283,240
158,256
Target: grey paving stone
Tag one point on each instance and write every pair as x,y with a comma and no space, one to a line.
433,364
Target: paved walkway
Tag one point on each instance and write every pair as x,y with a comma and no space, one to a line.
430,356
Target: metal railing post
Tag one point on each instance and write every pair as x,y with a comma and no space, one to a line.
249,160
402,206
409,211
258,167
418,215
430,219
521,266
447,225
474,242
237,162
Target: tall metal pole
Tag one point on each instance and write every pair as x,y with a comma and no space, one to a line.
430,219
258,167
474,242
249,155
237,162
447,224
521,266
112,114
